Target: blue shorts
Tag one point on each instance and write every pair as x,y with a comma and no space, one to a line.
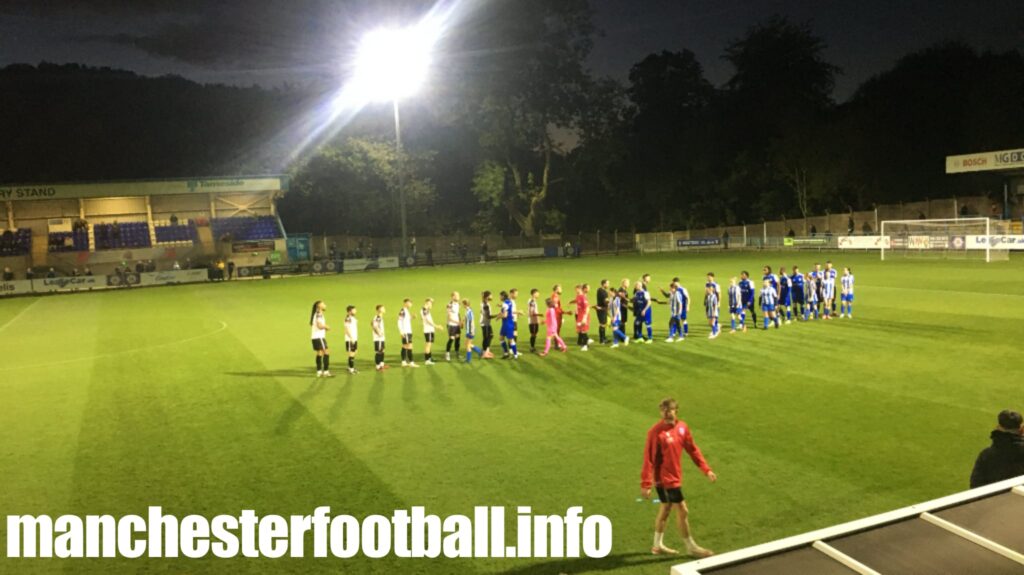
682,316
786,299
768,307
508,331
847,297
616,323
748,303
736,310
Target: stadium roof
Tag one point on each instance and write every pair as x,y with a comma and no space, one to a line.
128,188
1000,160
976,531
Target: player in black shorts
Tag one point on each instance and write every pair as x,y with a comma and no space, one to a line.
602,311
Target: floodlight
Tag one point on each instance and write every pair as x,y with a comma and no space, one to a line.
392,64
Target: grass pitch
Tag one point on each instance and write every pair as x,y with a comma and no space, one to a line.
201,399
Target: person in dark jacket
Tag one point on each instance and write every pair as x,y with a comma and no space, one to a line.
1005,457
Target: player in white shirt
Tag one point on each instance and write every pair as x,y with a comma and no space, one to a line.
319,329
378,339
533,317
405,332
351,337
454,327
828,290
428,331
846,298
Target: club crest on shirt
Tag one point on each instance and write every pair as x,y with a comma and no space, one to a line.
682,430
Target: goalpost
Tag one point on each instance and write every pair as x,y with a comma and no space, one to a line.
944,238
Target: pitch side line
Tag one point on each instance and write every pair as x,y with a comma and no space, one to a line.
17,315
957,292
223,326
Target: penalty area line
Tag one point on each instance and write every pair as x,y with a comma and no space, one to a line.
223,326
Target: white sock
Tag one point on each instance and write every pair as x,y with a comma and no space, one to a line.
690,543
658,539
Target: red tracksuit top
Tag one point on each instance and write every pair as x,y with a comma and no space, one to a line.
663,453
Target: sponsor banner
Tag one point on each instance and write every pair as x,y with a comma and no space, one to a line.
521,253
172,277
253,246
141,188
804,242
997,242
698,242
864,242
985,161
918,242
15,287
359,265
68,283
957,243
118,280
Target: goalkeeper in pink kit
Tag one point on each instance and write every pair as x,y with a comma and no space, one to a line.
551,320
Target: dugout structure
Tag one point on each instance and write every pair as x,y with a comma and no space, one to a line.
976,531
961,237
99,224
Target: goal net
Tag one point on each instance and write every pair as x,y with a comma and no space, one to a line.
965,238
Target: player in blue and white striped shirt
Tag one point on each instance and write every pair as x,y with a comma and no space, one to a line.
769,298
811,295
470,332
675,312
828,292
618,301
712,300
736,310
846,298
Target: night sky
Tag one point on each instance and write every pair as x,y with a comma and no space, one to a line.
268,42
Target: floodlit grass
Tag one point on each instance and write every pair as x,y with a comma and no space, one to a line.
201,399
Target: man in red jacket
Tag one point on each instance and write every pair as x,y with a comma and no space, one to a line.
662,468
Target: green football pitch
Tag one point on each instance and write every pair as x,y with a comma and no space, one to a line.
201,399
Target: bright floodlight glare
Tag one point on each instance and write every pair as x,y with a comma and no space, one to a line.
393,64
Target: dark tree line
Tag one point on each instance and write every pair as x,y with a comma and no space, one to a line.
518,136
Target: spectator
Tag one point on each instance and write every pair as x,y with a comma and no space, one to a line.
1005,457
412,246
51,273
188,263
30,273
175,266
87,272
333,252
8,274
483,249
220,270
814,230
231,269
140,267
174,219
850,226
866,228
725,239
74,272
115,232
430,255
791,233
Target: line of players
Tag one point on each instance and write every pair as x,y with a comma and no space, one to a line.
811,295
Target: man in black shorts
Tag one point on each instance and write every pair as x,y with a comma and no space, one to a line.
602,311
666,441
